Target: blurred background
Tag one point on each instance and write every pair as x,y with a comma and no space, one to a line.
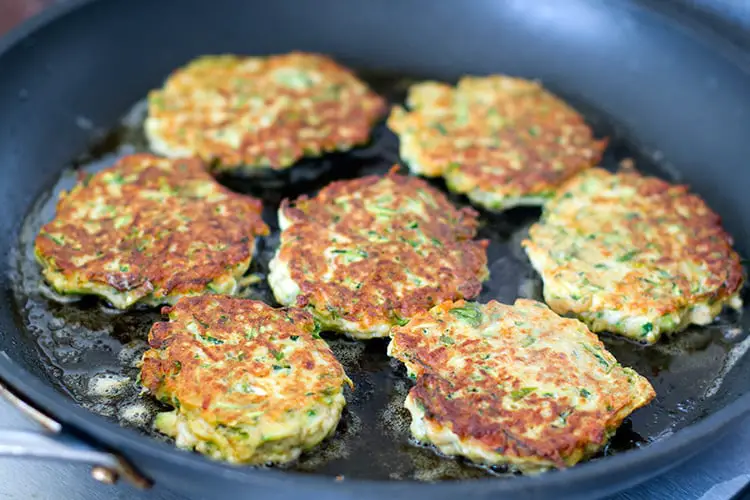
12,12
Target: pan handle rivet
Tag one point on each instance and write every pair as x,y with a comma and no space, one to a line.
104,475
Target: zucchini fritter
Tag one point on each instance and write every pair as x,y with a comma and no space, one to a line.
502,141
245,113
149,230
249,384
513,385
634,255
365,254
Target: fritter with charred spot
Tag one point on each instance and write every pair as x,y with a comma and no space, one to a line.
149,230
249,384
513,385
502,141
246,113
365,254
634,255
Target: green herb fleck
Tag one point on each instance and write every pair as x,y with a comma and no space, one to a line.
445,339
564,417
399,320
351,253
522,393
211,340
202,323
294,337
441,128
627,256
117,178
646,329
316,330
528,341
469,314
585,393
55,239
278,355
598,356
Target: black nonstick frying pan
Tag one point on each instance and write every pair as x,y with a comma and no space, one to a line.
670,90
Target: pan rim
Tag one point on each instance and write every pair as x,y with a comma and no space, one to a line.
684,443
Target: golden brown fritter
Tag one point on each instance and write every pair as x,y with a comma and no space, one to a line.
364,254
502,141
249,383
149,230
245,113
513,385
634,255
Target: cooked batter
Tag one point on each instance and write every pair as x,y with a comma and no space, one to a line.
248,113
501,141
366,254
149,230
513,385
249,384
634,255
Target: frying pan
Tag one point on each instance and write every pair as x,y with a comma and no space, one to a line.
669,88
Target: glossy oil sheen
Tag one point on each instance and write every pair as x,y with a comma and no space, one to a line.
671,97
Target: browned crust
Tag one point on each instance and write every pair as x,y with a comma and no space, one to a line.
175,244
199,376
536,142
663,225
335,114
474,397
453,269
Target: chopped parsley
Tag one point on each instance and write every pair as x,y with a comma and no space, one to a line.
470,314
564,417
211,339
445,339
316,330
598,356
627,256
529,340
55,239
521,393
441,128
399,320
351,253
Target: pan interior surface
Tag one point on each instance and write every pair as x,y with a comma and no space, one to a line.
645,80
92,350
